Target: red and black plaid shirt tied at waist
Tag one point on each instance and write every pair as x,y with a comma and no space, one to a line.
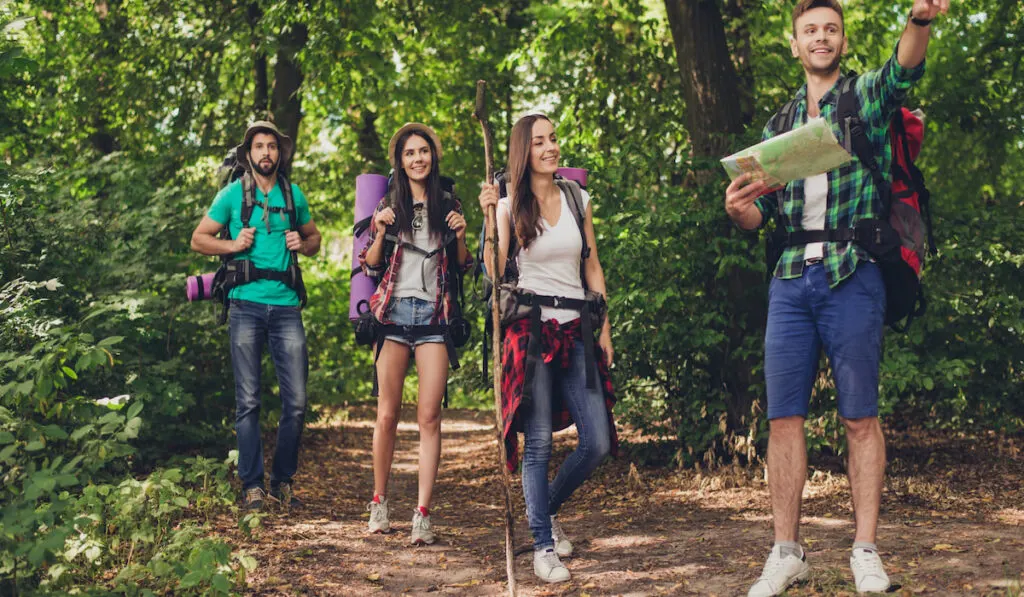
557,342
381,299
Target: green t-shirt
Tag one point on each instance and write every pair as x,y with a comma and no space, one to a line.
268,249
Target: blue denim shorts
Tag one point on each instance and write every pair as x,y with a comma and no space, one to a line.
806,316
410,310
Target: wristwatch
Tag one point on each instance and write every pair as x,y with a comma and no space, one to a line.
919,22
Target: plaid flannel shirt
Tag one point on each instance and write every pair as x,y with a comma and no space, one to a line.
851,192
380,301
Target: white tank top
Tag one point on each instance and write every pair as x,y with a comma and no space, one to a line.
551,265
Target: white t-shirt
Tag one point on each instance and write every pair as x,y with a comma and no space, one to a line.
815,205
417,278
551,265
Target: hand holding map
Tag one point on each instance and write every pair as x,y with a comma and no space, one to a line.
800,153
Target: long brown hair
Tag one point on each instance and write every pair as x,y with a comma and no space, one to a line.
401,190
525,209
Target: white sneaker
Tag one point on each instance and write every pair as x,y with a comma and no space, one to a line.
421,533
779,573
868,574
379,522
563,547
548,567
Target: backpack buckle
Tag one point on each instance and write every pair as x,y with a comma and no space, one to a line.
555,302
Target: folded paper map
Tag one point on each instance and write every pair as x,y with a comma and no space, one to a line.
806,151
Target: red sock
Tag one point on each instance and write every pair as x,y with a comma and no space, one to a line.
377,498
423,511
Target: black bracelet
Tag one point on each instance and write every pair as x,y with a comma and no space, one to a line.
919,22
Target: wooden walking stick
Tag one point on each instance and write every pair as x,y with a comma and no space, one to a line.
492,237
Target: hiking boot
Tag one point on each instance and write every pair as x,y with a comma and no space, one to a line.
283,493
254,498
421,532
379,512
779,573
563,547
548,567
868,574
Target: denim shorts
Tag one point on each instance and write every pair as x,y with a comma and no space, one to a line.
410,310
806,316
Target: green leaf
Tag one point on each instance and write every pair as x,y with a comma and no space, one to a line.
180,501
70,373
35,446
6,437
191,579
248,562
81,432
54,432
134,409
7,452
221,583
131,429
112,340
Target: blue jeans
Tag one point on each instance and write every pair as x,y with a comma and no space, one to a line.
804,316
251,326
588,411
411,310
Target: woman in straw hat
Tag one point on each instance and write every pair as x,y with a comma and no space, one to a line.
418,228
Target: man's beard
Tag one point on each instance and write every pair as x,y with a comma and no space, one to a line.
819,71
265,170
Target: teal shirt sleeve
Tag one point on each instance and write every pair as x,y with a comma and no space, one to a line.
882,91
220,211
302,215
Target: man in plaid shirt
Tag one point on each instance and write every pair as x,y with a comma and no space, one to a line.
829,295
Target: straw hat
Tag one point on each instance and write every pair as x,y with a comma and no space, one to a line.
265,126
412,126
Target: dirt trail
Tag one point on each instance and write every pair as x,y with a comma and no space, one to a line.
953,523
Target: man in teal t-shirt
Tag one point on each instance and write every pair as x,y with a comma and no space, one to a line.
266,310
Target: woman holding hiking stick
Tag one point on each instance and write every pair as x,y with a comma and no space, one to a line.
553,374
415,225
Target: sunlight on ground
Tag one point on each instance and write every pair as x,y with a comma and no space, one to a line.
625,541
822,521
1011,516
446,426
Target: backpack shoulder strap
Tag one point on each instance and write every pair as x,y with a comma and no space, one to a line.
848,113
785,118
575,200
289,201
248,198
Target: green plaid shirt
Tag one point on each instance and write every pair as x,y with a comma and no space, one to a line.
851,192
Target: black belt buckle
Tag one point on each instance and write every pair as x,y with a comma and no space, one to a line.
555,302
407,330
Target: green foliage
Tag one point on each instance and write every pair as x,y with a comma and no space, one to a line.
113,116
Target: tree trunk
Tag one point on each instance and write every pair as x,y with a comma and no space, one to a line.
368,143
739,33
710,83
286,102
716,111
112,31
260,102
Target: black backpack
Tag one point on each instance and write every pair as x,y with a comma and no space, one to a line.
234,272
457,332
896,239
574,195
